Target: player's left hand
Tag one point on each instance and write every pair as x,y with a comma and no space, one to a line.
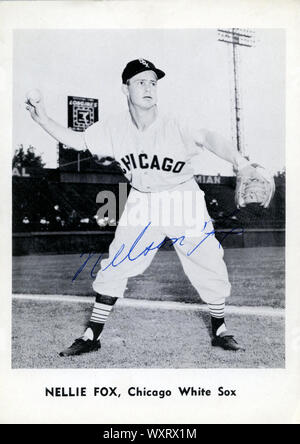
254,184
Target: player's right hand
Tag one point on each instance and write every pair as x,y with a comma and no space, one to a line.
35,105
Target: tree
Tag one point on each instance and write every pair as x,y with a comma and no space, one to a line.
27,159
281,174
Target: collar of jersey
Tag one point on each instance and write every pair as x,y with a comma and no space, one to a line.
149,128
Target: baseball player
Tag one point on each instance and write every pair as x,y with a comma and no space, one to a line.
154,152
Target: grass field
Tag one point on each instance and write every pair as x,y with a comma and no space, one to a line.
148,338
139,338
256,275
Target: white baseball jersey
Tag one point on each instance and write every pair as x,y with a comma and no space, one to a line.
156,159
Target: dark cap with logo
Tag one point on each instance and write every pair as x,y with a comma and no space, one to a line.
139,65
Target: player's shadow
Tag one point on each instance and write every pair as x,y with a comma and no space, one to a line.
206,318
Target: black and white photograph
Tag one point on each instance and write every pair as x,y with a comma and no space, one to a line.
148,198
149,215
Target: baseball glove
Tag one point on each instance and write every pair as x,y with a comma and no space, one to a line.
254,184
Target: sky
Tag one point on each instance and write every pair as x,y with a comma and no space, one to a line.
198,84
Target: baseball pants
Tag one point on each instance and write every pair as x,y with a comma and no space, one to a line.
136,243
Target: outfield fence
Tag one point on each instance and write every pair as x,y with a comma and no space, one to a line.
98,241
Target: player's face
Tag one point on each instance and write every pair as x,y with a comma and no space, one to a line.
142,90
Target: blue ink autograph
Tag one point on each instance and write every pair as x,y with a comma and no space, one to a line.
130,255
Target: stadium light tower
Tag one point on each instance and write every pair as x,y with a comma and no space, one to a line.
237,37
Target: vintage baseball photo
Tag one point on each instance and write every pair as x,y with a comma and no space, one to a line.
148,198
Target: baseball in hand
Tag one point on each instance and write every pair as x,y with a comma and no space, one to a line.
34,96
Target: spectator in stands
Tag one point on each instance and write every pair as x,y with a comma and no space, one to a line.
26,224
73,220
84,223
214,203
56,219
213,207
44,223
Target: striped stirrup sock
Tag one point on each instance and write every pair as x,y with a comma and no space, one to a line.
100,313
217,312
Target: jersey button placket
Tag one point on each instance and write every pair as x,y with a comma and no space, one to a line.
146,180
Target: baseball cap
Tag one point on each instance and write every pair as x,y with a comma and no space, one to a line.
139,65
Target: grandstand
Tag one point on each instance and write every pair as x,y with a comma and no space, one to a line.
54,201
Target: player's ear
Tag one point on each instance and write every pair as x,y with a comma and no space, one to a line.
125,90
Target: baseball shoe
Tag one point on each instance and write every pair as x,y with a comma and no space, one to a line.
227,342
81,346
